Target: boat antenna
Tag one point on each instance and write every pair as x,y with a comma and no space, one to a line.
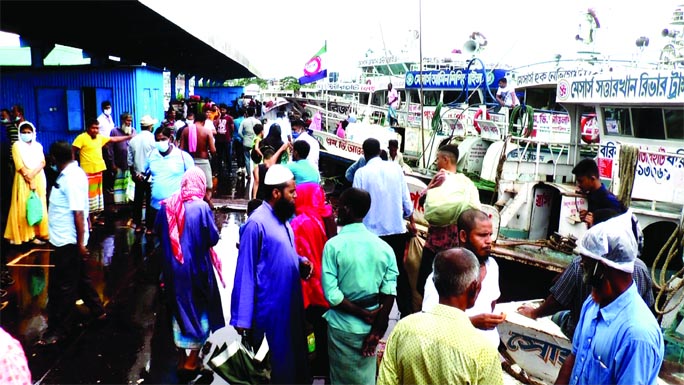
422,97
384,49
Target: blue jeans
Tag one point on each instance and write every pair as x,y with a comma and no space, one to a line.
248,160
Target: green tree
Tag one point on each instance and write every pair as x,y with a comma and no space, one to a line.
290,83
247,81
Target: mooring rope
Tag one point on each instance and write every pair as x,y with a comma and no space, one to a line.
628,160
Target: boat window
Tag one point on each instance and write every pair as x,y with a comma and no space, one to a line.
452,96
398,68
617,121
383,69
378,99
402,98
674,124
475,98
415,96
431,98
648,123
363,98
542,98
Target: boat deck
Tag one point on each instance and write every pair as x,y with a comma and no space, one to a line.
531,255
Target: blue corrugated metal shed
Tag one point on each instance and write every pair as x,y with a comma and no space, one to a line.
58,100
220,94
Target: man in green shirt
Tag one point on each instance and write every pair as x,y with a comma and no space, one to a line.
360,283
441,346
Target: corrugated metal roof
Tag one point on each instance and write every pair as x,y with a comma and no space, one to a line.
127,29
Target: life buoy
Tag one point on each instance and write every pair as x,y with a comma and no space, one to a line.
590,131
477,116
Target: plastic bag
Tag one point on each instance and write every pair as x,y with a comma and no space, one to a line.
239,364
444,204
34,209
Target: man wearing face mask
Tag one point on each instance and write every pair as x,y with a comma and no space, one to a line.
105,119
267,292
166,167
569,291
106,123
122,175
299,133
617,340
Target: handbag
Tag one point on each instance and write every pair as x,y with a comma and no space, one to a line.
34,209
254,155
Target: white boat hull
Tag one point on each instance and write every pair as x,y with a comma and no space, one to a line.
537,346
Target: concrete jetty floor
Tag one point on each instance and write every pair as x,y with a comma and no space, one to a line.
135,344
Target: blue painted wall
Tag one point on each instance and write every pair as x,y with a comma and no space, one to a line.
58,99
220,94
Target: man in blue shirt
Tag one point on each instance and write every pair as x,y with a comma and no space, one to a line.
267,292
598,196
390,205
617,339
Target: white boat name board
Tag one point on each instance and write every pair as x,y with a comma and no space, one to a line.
549,77
647,87
659,177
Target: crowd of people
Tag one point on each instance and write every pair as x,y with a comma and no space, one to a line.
322,299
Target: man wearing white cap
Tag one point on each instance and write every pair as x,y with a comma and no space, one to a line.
617,340
267,293
139,149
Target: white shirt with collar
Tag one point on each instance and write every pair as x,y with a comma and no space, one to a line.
106,124
314,148
69,194
390,199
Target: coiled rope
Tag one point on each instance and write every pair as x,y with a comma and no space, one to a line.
673,244
516,114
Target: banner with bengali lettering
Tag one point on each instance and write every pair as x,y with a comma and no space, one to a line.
536,78
628,88
454,79
659,173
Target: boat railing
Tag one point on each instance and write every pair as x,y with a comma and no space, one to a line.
529,158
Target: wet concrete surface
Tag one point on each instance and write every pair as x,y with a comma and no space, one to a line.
135,343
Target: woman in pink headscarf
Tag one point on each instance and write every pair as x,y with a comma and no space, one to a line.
317,122
309,227
187,232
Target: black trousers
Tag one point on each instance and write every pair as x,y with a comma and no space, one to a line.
68,282
398,244
319,364
142,195
238,149
425,269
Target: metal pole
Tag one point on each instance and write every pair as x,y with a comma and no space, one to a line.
327,88
422,98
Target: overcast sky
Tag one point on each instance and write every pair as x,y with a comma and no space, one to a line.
277,37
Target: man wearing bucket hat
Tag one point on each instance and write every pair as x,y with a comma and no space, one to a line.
617,340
